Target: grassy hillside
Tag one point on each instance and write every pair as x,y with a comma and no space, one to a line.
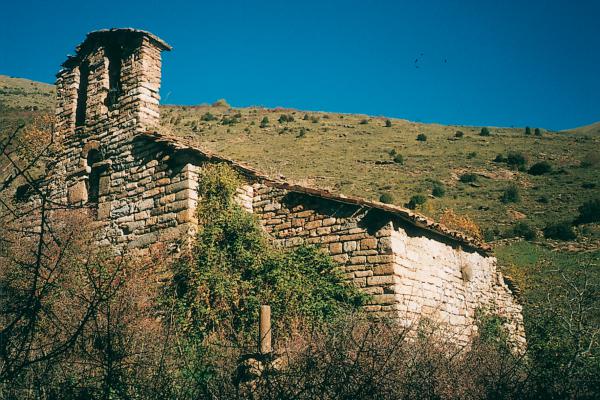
354,154
360,155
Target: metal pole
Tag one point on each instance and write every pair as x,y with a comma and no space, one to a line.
264,331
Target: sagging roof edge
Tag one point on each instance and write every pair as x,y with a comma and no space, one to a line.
407,215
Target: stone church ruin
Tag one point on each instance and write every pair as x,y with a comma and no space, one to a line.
141,187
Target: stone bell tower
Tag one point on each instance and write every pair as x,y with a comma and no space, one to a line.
106,93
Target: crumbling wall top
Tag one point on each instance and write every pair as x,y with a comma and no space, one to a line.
119,35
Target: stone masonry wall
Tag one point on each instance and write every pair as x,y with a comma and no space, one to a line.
410,274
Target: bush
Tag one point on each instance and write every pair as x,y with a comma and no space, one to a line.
305,117
388,123
459,134
364,121
510,195
386,198
484,132
421,137
524,230
438,189
540,168
471,155
398,159
588,185
392,152
264,122
207,116
543,200
537,132
468,178
314,119
527,130
499,158
516,160
560,231
286,118
233,270
589,212
415,201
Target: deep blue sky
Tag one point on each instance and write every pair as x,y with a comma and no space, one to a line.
496,63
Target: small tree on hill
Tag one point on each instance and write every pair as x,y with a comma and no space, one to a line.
484,132
537,132
527,130
421,137
388,123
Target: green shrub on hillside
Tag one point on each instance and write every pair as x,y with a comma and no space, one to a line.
438,189
516,160
527,130
537,132
207,116
459,134
416,200
468,178
484,132
398,159
421,137
510,195
560,231
388,123
589,212
522,229
540,168
386,198
499,158
364,121
264,122
284,118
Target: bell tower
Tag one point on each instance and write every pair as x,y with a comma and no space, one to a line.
106,93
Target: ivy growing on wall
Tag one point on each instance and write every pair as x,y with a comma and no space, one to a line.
233,269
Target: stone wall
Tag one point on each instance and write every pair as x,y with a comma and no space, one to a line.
411,273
